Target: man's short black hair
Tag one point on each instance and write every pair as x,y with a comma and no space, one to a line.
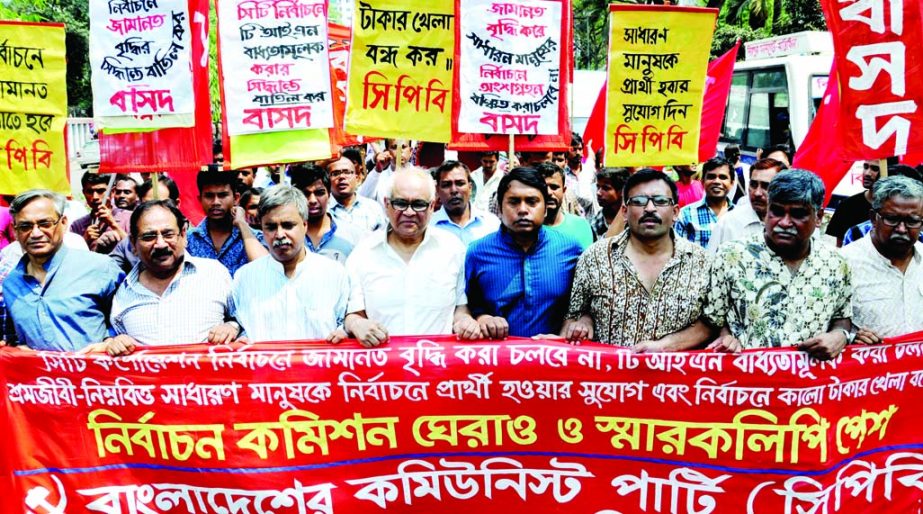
91,179
715,163
549,169
787,150
355,157
526,176
645,175
617,176
490,153
172,188
575,139
216,178
303,175
448,166
249,193
128,178
150,204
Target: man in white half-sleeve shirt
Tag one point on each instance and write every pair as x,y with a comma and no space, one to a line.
290,293
408,279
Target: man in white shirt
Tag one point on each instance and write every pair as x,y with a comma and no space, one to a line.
887,266
291,293
350,206
747,218
486,179
457,215
407,279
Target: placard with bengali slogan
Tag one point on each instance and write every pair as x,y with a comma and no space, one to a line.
274,65
658,58
400,69
140,62
423,425
33,107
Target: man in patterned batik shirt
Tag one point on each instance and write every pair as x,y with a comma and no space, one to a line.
781,288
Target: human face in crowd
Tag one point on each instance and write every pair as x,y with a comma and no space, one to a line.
718,182
245,178
779,156
533,158
892,236
454,190
488,163
556,192
160,244
94,194
871,170
759,190
405,150
684,169
284,231
575,150
39,229
649,221
124,195
607,195
343,178
789,227
409,223
218,201
559,159
252,210
317,196
523,209
162,192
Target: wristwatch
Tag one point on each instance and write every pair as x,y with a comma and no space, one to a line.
850,336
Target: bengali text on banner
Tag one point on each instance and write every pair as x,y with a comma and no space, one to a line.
879,58
426,425
400,69
658,57
33,107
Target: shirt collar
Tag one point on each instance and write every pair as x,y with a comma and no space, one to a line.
508,240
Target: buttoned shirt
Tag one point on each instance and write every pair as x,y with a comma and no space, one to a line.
765,304
416,297
739,223
272,307
484,191
624,312
196,301
363,212
232,253
80,226
885,300
338,242
480,223
696,222
528,289
70,310
859,231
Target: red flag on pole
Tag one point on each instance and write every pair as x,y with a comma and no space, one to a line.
594,135
821,152
717,89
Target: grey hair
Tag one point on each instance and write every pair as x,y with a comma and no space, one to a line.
797,186
413,172
281,195
23,199
887,188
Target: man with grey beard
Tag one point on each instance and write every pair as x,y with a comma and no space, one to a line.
781,288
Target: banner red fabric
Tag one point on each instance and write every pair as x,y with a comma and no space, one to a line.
879,54
820,152
433,425
594,135
184,149
717,89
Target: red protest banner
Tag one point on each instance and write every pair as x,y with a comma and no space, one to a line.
421,425
879,56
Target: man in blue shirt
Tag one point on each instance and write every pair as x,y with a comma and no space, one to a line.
519,278
697,220
57,298
458,215
326,236
224,233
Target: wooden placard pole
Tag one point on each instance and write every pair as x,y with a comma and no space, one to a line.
155,185
511,157
883,166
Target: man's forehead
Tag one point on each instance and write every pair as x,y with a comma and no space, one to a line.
283,213
341,164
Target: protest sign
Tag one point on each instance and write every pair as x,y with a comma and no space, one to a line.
425,425
879,57
340,37
140,62
658,58
33,107
275,67
400,69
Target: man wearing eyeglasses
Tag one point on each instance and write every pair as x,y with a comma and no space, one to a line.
169,297
57,298
887,266
855,209
746,220
349,206
644,288
783,288
408,279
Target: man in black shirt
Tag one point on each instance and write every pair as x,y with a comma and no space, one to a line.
855,209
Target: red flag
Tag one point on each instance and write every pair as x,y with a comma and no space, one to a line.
717,89
594,135
820,152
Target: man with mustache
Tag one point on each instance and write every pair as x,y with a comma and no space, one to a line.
348,205
697,219
224,233
290,294
458,215
783,288
644,288
518,278
855,209
887,266
125,193
747,219
556,216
